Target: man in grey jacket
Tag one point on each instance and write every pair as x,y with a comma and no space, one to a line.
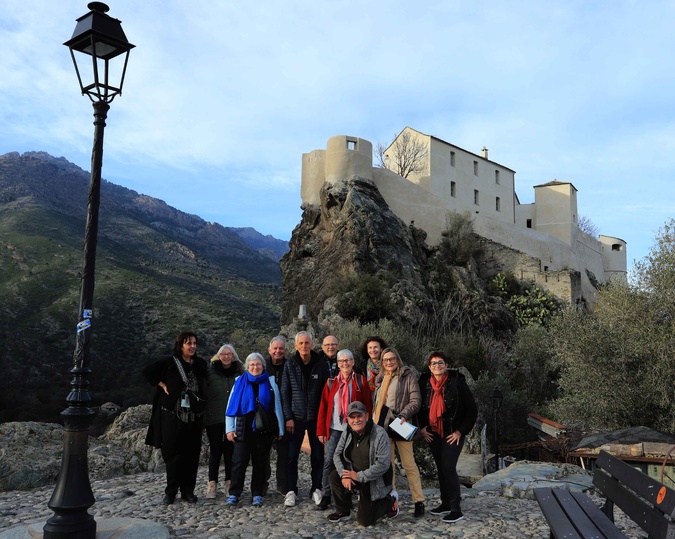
362,461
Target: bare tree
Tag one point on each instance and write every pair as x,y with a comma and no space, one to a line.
405,155
586,225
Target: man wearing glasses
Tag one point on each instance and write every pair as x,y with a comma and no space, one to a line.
329,350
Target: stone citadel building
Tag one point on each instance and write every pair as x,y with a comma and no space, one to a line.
540,242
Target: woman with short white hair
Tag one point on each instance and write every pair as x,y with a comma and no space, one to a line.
254,419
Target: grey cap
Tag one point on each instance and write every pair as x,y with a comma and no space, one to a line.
356,406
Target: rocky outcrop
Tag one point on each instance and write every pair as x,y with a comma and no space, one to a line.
352,231
30,452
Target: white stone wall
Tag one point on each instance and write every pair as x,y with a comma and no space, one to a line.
564,253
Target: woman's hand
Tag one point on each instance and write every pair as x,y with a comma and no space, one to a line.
454,438
426,434
163,386
322,439
231,436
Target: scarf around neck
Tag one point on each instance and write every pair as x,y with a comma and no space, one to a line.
343,395
373,371
437,405
243,399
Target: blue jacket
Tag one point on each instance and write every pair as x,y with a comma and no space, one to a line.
236,423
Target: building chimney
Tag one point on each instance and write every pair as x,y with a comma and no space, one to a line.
483,153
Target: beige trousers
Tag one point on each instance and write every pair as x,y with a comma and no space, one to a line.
412,472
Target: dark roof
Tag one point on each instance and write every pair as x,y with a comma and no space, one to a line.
630,435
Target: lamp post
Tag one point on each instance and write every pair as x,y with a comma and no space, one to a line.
497,398
100,37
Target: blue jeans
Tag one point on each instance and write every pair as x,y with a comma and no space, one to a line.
316,455
331,444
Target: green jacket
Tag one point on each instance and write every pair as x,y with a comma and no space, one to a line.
219,384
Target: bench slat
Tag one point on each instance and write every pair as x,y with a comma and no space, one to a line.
586,527
650,520
558,522
639,482
607,527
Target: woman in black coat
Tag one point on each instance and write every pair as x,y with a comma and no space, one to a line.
176,424
448,414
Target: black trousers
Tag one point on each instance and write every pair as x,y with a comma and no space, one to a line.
181,445
446,456
369,510
257,447
282,457
219,446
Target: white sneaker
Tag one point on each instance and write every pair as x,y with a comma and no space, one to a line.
317,495
290,499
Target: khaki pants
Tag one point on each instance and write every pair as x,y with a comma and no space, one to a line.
405,452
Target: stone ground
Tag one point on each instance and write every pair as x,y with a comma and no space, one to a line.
487,514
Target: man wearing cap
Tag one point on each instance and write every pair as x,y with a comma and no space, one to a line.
362,461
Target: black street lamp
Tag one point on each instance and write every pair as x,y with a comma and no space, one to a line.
101,38
497,398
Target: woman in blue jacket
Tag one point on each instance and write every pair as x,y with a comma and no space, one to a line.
254,390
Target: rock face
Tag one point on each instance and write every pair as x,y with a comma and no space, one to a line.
352,231
30,453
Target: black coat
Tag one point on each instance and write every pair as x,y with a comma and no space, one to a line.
299,399
460,407
165,370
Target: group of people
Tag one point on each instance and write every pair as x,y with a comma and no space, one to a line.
346,410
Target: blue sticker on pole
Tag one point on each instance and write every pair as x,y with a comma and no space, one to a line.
87,313
85,324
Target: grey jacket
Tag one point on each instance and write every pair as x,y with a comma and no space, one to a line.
380,461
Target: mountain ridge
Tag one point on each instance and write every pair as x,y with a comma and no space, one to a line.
159,271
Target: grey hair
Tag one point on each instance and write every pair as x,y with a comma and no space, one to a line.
345,353
226,347
254,356
304,334
279,338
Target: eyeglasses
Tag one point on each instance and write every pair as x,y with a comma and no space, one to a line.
389,360
437,363
343,361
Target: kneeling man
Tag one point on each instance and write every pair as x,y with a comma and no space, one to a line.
362,461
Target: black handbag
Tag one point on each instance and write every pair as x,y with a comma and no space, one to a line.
197,403
265,422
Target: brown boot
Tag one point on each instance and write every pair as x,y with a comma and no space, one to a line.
211,490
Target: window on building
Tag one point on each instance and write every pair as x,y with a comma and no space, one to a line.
351,144
496,176
616,247
453,189
528,224
498,204
452,159
475,168
476,199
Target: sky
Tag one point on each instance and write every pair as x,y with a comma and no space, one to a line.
222,98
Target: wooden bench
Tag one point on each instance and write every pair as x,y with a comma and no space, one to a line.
644,500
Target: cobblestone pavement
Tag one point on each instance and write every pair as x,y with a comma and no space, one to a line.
140,496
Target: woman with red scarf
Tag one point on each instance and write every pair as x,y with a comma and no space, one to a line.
448,414
337,394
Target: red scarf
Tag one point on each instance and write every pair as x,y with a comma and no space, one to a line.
437,406
343,395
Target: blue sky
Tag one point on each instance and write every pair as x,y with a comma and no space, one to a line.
222,98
